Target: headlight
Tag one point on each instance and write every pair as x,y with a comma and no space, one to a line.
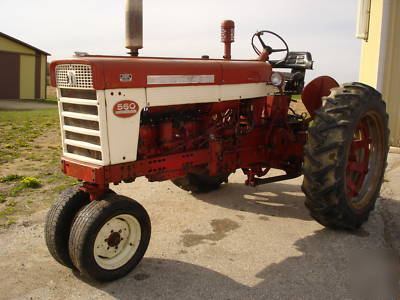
276,79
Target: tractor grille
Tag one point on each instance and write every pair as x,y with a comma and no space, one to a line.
74,76
81,129
82,114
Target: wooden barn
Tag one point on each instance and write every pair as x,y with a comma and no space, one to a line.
22,70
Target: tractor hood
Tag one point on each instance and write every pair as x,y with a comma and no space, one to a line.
138,72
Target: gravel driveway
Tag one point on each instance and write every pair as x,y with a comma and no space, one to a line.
234,243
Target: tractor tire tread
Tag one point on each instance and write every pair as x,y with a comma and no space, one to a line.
325,155
83,227
199,183
59,220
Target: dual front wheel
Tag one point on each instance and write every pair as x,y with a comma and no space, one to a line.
103,239
106,239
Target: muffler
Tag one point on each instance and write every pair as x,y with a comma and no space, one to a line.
134,26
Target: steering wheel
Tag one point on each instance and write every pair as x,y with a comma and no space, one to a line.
270,50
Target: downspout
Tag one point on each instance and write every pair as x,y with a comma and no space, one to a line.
383,45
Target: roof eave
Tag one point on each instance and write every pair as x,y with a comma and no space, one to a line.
24,44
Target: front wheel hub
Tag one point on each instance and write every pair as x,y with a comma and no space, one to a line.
114,239
117,241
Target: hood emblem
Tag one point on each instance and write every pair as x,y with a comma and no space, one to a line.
71,77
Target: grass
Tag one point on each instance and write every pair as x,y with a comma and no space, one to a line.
30,176
19,129
11,221
296,97
15,189
3,197
11,177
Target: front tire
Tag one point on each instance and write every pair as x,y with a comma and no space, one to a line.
109,237
59,220
345,156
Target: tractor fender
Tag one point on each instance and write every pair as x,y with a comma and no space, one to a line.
314,91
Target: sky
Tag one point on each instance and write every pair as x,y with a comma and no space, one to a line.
185,28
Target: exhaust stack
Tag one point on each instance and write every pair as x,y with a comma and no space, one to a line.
227,36
134,26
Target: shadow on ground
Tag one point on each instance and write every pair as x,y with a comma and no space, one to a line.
274,199
332,264
324,271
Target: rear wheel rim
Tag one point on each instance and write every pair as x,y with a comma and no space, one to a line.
365,161
358,160
117,241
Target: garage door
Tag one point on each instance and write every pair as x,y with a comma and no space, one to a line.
9,75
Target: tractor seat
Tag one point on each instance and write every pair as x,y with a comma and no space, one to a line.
295,60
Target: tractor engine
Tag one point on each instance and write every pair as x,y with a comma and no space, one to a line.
171,130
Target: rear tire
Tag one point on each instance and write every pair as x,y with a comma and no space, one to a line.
59,220
109,237
345,156
199,183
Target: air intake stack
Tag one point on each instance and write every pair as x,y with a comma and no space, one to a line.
134,26
227,36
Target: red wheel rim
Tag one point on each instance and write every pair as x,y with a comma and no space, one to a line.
358,160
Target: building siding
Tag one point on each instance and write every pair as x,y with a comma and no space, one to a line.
27,78
11,46
31,66
391,86
43,77
380,64
370,49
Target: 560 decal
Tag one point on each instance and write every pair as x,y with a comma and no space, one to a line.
125,108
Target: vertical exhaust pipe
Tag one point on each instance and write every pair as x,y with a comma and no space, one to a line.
227,36
134,26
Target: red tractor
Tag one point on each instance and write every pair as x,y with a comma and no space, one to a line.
194,122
